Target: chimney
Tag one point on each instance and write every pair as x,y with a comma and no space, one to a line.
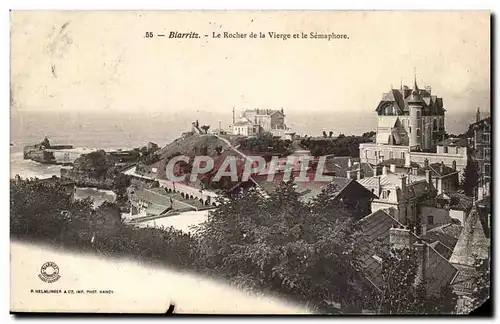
454,165
349,163
428,176
400,237
426,163
233,115
384,170
403,178
422,251
407,160
441,167
377,186
393,168
478,115
424,229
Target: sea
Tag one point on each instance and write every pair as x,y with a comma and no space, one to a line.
112,130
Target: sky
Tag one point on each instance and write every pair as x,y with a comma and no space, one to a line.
102,61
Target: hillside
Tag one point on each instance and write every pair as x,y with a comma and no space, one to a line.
192,145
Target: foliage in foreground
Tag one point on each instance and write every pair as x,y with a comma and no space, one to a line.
287,246
305,251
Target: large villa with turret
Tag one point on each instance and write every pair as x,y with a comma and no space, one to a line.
411,129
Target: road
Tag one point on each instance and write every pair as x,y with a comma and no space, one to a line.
232,147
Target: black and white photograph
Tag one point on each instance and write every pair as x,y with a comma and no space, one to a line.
250,162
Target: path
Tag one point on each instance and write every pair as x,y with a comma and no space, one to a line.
231,146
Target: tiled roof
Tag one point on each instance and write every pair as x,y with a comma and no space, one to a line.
375,230
440,272
416,186
442,249
458,201
471,241
446,234
372,181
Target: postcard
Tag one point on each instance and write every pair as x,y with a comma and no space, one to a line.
250,162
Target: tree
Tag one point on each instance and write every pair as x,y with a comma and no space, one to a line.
285,245
481,283
205,128
470,177
324,134
330,134
402,293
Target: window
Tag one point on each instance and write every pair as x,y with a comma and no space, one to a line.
445,149
418,114
487,153
486,170
402,155
430,220
435,125
375,154
418,131
486,138
385,194
391,155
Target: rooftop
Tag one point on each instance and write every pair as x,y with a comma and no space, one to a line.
155,196
310,189
446,234
460,142
401,97
263,112
472,241
438,170
375,229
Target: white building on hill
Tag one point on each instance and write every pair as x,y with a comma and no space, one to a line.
257,121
